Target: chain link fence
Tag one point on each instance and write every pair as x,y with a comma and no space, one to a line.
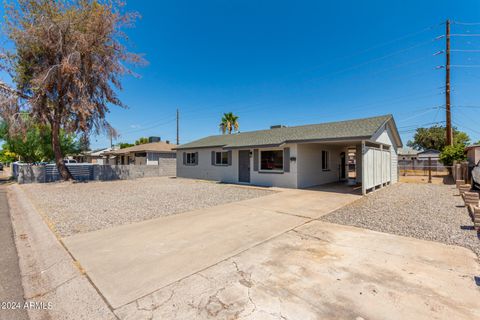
416,167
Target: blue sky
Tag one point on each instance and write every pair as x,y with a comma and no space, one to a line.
293,63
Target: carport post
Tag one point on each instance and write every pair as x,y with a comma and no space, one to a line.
364,187
381,166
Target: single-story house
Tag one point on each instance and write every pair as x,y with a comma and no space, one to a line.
142,154
431,154
473,154
298,157
407,154
95,156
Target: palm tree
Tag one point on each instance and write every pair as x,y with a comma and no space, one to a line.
229,123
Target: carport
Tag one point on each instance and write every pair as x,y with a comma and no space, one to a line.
356,162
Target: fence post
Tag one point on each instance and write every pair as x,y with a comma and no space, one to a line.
429,170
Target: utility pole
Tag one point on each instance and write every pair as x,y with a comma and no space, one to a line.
449,138
178,127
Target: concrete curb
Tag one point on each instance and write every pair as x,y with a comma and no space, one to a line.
50,277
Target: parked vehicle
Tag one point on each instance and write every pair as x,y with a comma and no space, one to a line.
1,166
476,175
69,161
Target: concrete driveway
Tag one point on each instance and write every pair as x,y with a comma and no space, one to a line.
131,261
266,258
325,271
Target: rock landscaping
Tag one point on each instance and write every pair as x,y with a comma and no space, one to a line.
423,211
81,207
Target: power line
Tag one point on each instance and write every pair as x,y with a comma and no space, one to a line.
374,47
465,65
419,114
466,23
467,107
375,59
465,34
159,124
468,128
464,50
409,35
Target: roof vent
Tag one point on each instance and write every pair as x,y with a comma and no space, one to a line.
277,126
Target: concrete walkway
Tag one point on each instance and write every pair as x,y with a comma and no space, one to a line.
132,261
11,289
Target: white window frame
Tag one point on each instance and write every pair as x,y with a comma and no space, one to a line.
221,158
260,161
326,166
188,158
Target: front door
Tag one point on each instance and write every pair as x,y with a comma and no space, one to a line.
343,166
244,166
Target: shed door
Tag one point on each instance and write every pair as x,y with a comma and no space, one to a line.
244,166
376,166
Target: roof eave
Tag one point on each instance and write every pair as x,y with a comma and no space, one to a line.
198,147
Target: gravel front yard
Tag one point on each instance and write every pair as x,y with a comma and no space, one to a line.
82,207
423,211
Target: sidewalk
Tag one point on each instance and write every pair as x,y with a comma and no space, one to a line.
11,289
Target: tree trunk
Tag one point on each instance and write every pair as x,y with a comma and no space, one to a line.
57,151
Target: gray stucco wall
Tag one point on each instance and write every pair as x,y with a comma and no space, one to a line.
166,167
229,173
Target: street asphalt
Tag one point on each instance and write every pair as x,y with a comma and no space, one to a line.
11,290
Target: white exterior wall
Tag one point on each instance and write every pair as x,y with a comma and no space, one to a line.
270,179
206,171
386,137
309,163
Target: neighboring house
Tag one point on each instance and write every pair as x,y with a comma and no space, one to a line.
95,156
473,154
297,157
407,154
411,159
432,154
143,154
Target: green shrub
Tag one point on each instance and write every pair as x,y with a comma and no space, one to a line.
452,153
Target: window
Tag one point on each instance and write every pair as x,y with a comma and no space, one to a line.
191,158
221,158
325,160
271,160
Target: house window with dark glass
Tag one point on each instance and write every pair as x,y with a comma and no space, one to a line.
191,158
325,160
271,160
221,158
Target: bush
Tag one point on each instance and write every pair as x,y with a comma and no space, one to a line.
452,153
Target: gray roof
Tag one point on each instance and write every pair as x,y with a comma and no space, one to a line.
407,151
342,130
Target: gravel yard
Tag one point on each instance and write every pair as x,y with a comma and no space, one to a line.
423,211
81,207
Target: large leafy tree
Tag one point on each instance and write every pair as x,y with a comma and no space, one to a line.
124,145
229,123
34,145
141,140
67,60
435,138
